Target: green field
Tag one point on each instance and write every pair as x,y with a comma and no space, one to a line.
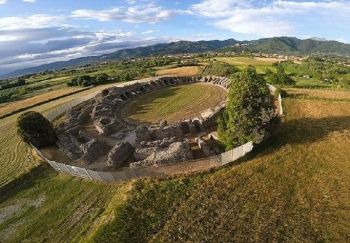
242,62
174,103
295,188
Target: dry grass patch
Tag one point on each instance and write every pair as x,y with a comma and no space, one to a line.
180,71
320,94
245,61
13,106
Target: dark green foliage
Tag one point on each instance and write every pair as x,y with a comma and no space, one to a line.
248,112
102,78
83,81
280,77
327,69
19,82
221,69
34,128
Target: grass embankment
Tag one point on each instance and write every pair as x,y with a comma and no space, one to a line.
174,103
55,208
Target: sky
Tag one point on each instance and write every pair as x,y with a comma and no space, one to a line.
34,32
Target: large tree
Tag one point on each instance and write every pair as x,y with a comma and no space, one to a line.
280,77
248,111
35,129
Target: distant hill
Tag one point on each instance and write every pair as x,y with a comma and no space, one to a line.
276,45
292,45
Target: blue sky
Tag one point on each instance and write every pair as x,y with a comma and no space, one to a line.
33,32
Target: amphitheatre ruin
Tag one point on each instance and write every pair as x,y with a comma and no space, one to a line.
119,129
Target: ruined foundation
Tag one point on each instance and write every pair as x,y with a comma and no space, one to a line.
119,143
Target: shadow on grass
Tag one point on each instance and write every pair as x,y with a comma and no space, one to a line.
26,181
303,132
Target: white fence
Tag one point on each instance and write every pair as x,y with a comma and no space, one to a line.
159,171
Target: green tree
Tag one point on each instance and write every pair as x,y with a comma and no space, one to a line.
21,81
280,77
248,111
102,78
34,128
85,80
72,82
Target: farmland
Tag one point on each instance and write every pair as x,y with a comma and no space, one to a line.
241,62
180,71
304,170
292,188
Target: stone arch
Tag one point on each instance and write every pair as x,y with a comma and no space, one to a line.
160,83
123,97
128,94
142,89
153,83
198,125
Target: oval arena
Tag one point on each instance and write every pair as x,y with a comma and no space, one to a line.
101,139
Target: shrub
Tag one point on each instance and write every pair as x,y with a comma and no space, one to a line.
102,78
280,77
248,111
35,129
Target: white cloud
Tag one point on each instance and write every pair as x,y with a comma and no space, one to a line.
3,1
38,39
29,1
134,14
218,9
33,21
270,18
148,32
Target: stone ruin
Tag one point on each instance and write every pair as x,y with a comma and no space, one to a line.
122,143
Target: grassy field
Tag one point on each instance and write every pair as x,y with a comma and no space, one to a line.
241,62
174,103
180,71
13,106
56,208
295,188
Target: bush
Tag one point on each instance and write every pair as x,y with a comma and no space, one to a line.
280,77
35,129
102,78
248,111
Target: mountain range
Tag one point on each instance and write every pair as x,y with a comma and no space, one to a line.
275,45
